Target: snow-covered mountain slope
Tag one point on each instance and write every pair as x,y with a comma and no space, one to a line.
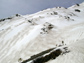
24,36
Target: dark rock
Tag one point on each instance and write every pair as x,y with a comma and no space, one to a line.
9,18
38,55
17,15
2,20
77,10
46,58
62,42
77,4
29,21
50,26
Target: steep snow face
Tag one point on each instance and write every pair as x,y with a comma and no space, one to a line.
24,36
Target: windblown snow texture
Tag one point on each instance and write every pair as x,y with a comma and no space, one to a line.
54,35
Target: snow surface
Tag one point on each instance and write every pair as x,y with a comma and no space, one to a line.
24,36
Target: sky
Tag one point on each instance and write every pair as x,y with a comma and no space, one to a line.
23,7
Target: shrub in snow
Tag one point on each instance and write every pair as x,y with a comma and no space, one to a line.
77,4
63,42
56,7
72,19
51,13
59,7
29,21
9,18
5,19
20,60
55,13
66,17
17,15
50,26
2,20
65,8
72,14
77,10
46,28
41,17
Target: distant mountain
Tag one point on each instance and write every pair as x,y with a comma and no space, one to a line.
54,35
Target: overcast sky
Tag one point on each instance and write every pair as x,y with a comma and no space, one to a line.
11,7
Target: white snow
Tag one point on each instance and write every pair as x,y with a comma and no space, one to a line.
22,39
